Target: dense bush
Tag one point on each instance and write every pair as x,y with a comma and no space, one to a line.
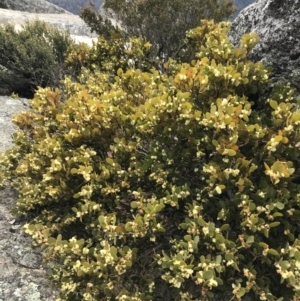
151,186
163,23
32,57
109,55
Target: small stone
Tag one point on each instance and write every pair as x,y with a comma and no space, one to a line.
14,228
31,260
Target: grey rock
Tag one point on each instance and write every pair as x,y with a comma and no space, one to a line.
277,23
31,260
65,21
14,228
33,6
9,107
21,275
75,6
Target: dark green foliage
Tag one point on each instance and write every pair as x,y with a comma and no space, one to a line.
163,23
98,24
109,55
75,6
3,4
32,57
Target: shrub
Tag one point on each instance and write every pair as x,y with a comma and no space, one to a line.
32,57
165,187
109,55
163,23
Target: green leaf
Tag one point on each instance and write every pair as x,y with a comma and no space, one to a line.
274,224
266,232
207,275
210,294
80,272
74,171
254,220
74,209
219,280
128,263
187,238
220,239
262,244
59,238
114,252
284,265
231,152
215,142
279,205
252,206
31,227
201,222
211,227
241,292
110,161
253,228
218,190
218,259
228,256
297,255
273,252
128,227
51,241
292,280
101,220
224,227
273,104
134,205
250,239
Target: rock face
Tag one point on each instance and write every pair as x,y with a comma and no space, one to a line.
32,6
66,21
22,277
277,23
75,6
